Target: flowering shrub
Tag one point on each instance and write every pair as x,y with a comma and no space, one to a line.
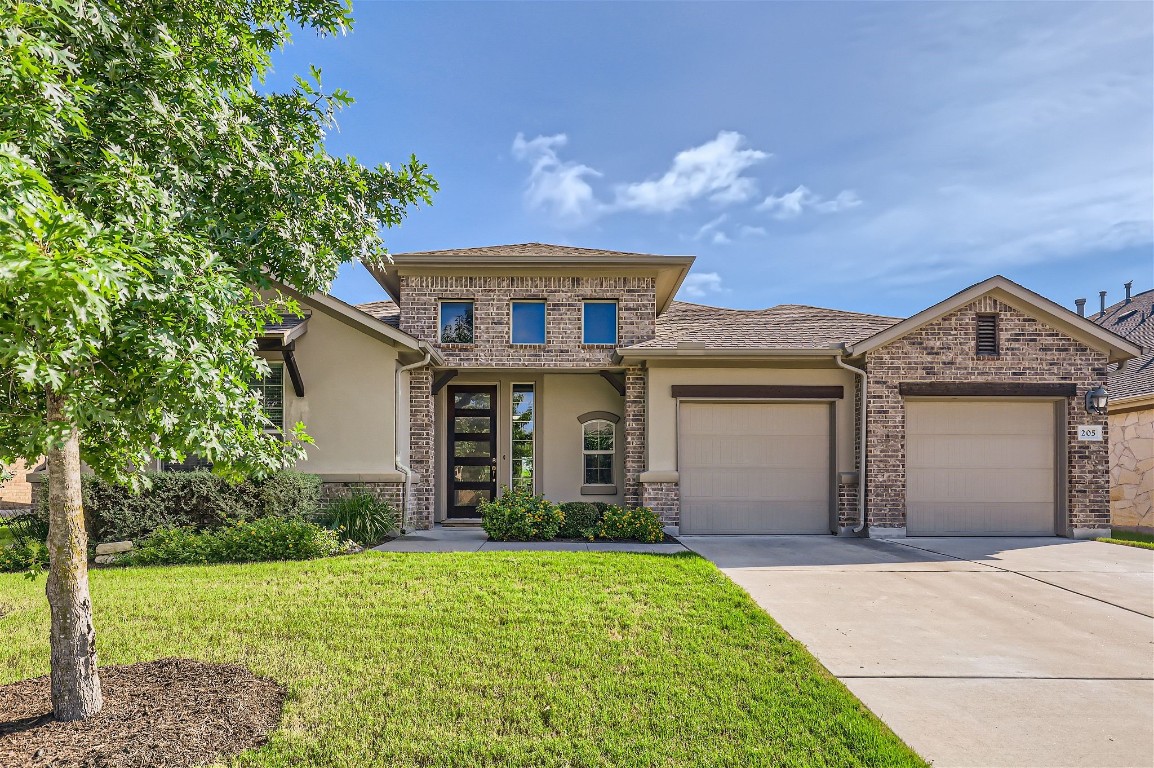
269,538
517,515
638,523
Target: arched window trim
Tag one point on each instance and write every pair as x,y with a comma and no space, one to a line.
596,472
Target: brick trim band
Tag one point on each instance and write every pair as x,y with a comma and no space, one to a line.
758,391
986,389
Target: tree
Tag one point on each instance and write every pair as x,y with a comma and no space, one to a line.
148,194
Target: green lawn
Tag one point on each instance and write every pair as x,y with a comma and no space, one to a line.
1144,540
493,659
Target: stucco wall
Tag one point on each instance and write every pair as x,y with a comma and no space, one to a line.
564,398
349,401
1132,468
662,406
944,350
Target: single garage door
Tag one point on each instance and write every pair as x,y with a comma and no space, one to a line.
754,467
980,468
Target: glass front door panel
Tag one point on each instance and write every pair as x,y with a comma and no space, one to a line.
471,448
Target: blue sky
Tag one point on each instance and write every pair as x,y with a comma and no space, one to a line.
868,156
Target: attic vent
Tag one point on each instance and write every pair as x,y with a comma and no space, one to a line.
987,335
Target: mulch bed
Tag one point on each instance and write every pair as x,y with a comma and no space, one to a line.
170,712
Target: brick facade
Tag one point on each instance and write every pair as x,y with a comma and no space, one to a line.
419,515
664,499
944,350
393,493
492,321
635,397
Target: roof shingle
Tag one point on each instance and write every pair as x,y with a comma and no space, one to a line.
1135,321
385,311
526,250
786,326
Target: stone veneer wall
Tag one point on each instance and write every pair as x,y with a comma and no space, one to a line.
636,384
944,350
492,321
1132,469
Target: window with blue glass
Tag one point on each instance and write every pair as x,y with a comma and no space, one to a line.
599,322
456,322
528,322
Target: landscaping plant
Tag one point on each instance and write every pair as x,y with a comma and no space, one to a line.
361,518
260,540
582,520
639,523
151,191
518,515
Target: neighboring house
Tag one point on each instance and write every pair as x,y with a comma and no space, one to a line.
15,493
574,372
1132,413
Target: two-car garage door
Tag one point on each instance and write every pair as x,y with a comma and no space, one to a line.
980,468
754,467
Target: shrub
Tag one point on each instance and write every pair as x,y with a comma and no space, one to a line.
23,555
517,515
362,518
581,520
638,523
269,538
199,500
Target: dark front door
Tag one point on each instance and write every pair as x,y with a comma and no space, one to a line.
472,449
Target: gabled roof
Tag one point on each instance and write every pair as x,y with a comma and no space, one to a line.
364,322
669,271
1134,320
690,328
1082,329
288,329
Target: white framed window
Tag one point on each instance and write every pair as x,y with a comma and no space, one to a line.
271,391
597,451
524,421
598,322
456,322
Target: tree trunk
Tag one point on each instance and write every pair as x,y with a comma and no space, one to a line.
75,681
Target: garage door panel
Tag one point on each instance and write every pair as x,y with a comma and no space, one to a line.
754,467
980,468
978,452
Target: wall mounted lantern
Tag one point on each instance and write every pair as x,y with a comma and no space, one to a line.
1096,400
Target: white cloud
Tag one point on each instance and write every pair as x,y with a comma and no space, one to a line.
713,170
710,227
554,185
701,284
720,238
791,204
747,231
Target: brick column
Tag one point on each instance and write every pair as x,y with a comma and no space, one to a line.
635,393
419,512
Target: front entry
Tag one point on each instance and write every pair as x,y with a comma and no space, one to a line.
471,449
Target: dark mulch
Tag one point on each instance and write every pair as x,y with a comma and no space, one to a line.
170,712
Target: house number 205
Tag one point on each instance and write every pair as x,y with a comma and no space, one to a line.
1090,432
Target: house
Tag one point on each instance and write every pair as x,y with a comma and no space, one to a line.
575,373
1131,412
16,492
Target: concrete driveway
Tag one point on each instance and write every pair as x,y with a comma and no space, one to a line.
976,651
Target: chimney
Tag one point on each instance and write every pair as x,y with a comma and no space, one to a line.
1127,286
1081,305
1102,299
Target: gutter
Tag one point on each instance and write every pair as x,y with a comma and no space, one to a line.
401,466
861,480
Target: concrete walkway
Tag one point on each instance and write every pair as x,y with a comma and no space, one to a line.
469,539
977,651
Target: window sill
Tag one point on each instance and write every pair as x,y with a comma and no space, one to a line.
599,345
599,490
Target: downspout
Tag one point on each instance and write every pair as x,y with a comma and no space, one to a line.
861,480
401,466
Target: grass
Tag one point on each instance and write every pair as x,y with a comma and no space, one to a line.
485,659
1130,539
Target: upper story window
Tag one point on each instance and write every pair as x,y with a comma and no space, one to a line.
271,391
456,322
987,341
528,322
599,322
